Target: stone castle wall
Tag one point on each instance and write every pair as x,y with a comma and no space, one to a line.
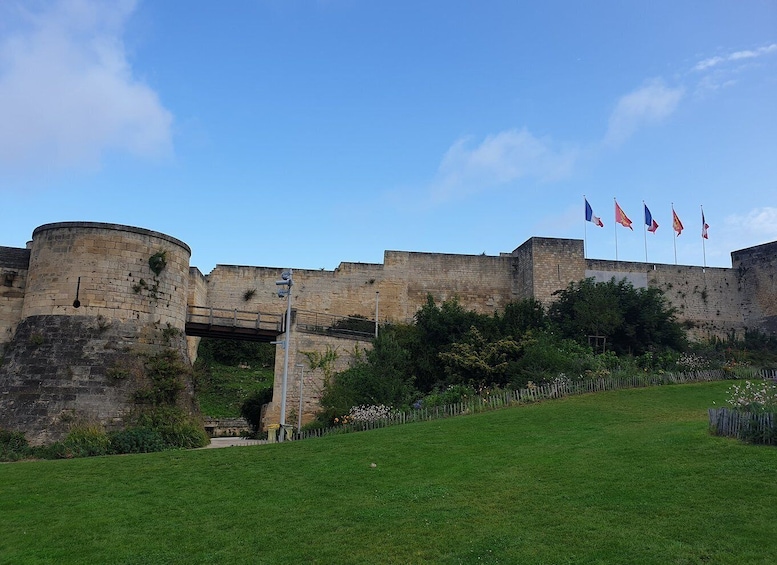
707,299
121,301
14,264
112,263
400,285
755,269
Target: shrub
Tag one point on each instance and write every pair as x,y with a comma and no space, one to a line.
452,394
86,441
546,356
165,371
177,429
136,440
13,446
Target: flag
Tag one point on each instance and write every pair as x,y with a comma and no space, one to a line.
589,215
704,226
676,223
621,217
649,221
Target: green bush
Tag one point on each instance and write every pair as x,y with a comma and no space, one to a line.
86,441
13,446
56,450
165,372
177,429
546,357
452,394
136,440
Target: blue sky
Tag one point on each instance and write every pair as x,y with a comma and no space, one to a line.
306,133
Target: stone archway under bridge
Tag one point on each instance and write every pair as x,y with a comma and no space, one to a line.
314,335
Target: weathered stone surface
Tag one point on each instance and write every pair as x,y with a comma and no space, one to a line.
59,370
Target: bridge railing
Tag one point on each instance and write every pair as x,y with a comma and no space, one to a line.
328,324
223,317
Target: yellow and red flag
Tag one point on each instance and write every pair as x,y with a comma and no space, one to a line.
621,217
676,223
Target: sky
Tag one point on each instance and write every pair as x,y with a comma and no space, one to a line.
305,133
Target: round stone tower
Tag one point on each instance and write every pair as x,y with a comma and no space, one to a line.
99,299
118,272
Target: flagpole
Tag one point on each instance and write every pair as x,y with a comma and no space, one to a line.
674,239
615,225
703,244
644,230
585,230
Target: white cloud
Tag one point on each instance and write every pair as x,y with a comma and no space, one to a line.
736,56
757,224
67,92
499,159
646,105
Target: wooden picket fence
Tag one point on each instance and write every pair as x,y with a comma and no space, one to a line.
754,427
504,398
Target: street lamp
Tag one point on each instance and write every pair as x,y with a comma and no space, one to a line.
301,384
286,280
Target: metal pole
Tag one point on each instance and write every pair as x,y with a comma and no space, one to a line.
301,385
674,239
644,228
377,302
286,347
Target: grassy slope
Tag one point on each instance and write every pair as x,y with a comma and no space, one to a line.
623,477
222,390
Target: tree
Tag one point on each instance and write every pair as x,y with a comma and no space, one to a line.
475,360
382,377
633,320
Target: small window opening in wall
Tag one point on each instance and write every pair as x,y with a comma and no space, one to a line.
8,279
77,302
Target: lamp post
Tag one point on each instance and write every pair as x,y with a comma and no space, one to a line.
286,280
377,302
301,385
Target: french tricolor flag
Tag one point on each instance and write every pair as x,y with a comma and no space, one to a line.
649,221
589,215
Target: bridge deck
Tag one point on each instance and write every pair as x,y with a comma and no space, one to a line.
233,324
203,321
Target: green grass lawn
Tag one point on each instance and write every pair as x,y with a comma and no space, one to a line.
622,477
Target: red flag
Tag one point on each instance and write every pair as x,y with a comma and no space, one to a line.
704,226
621,217
676,223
